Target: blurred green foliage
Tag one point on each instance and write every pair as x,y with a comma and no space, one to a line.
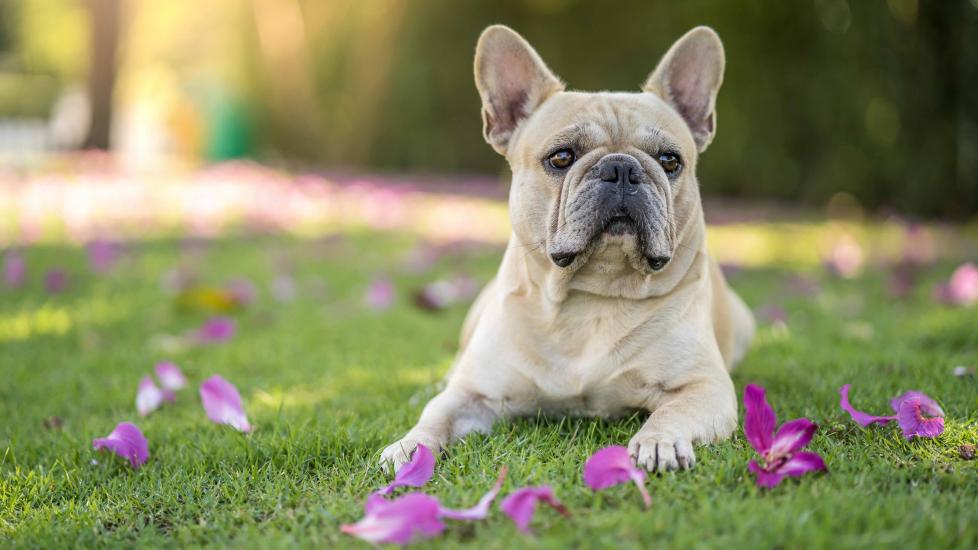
875,98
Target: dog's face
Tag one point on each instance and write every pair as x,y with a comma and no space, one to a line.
600,171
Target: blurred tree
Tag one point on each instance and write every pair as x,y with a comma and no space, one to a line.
104,33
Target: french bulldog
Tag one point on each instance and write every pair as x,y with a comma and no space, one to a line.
606,300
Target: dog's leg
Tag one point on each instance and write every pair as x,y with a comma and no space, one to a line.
701,411
448,416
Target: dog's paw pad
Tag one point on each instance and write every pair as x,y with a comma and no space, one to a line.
660,454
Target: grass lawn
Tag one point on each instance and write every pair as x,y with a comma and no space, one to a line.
327,383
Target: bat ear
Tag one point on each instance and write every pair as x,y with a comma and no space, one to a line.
512,81
688,77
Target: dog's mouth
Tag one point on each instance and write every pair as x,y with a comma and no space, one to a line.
620,224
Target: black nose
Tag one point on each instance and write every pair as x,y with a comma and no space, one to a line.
658,262
620,169
563,259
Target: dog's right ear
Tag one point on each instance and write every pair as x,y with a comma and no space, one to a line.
512,81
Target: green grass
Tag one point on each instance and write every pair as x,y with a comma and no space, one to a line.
328,384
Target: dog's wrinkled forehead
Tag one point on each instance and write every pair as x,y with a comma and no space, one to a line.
612,122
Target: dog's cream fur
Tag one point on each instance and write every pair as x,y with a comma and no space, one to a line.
606,334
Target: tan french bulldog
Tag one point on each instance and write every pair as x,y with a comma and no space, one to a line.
606,300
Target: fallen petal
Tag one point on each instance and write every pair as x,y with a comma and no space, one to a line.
148,396
380,294
759,419
859,417
415,473
14,269
481,509
222,402
126,441
102,255
963,286
406,519
612,465
170,376
55,281
927,404
241,291
910,416
793,436
521,505
216,330
802,463
765,478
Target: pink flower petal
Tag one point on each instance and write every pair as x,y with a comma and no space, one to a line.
759,419
102,255
792,437
222,402
170,376
14,269
481,509
521,505
612,465
380,294
415,473
148,396
801,464
911,408
242,291
126,441
927,404
859,417
55,281
764,478
216,330
406,519
963,286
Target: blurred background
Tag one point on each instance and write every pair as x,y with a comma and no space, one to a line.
876,99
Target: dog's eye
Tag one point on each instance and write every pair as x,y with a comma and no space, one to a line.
561,159
670,163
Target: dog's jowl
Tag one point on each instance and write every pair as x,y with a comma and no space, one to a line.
607,300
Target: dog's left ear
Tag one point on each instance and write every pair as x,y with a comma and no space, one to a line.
512,81
688,78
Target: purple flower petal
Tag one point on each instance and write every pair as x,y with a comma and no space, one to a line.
792,437
963,286
764,477
415,473
148,396
521,505
481,509
380,294
859,417
55,281
759,419
216,330
14,269
911,408
406,519
927,404
102,255
612,465
126,441
222,402
170,376
242,291
801,464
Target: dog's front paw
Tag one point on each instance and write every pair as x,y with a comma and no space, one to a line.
399,454
660,454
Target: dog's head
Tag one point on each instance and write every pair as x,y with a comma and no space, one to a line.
605,170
